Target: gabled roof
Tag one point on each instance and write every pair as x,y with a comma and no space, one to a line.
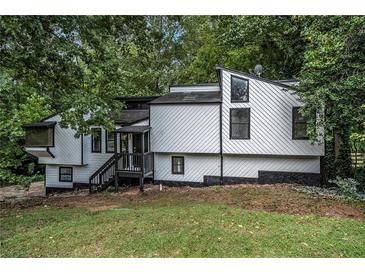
188,98
273,82
130,116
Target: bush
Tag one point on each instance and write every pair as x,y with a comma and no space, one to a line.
347,189
8,178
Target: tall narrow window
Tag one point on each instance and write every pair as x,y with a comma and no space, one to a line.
123,142
146,142
96,140
239,89
299,125
177,164
240,123
109,141
65,174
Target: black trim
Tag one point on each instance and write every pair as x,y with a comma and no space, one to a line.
184,103
59,174
230,124
92,140
248,89
194,85
221,140
82,149
50,153
172,165
106,142
53,137
293,125
220,67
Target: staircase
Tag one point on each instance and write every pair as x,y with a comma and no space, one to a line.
104,176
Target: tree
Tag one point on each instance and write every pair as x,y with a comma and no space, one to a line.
332,81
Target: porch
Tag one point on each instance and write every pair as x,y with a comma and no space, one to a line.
131,159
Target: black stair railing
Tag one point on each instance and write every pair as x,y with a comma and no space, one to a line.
101,178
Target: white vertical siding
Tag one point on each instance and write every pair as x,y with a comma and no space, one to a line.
52,178
185,128
196,166
271,121
248,166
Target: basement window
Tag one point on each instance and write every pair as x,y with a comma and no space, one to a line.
239,89
109,142
65,174
240,123
96,140
299,125
39,137
177,164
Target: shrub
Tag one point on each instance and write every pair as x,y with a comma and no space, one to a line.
347,187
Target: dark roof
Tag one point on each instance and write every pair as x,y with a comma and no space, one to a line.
130,116
136,98
194,85
189,98
40,124
277,83
133,129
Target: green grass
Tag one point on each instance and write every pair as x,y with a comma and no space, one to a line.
188,229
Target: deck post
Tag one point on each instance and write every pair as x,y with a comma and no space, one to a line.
116,161
141,186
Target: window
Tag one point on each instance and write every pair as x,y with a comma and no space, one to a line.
240,123
109,141
239,89
146,143
177,165
39,136
299,125
65,174
96,140
123,142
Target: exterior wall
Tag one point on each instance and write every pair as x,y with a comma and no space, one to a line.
141,123
271,121
196,167
195,88
81,173
67,149
248,166
185,128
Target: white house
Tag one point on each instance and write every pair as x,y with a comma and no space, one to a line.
243,129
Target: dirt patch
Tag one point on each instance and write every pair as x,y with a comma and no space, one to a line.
271,198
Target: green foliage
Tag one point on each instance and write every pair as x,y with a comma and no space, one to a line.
348,188
77,65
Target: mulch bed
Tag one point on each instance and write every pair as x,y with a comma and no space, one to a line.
271,198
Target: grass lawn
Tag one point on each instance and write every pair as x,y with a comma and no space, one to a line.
163,224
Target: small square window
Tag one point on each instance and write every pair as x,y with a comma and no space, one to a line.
239,89
65,174
177,165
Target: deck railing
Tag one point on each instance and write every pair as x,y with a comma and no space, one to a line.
133,162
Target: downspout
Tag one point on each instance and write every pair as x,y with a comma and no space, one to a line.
219,71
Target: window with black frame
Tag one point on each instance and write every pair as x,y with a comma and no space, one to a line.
96,140
39,136
109,141
65,174
239,89
177,164
240,123
299,125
